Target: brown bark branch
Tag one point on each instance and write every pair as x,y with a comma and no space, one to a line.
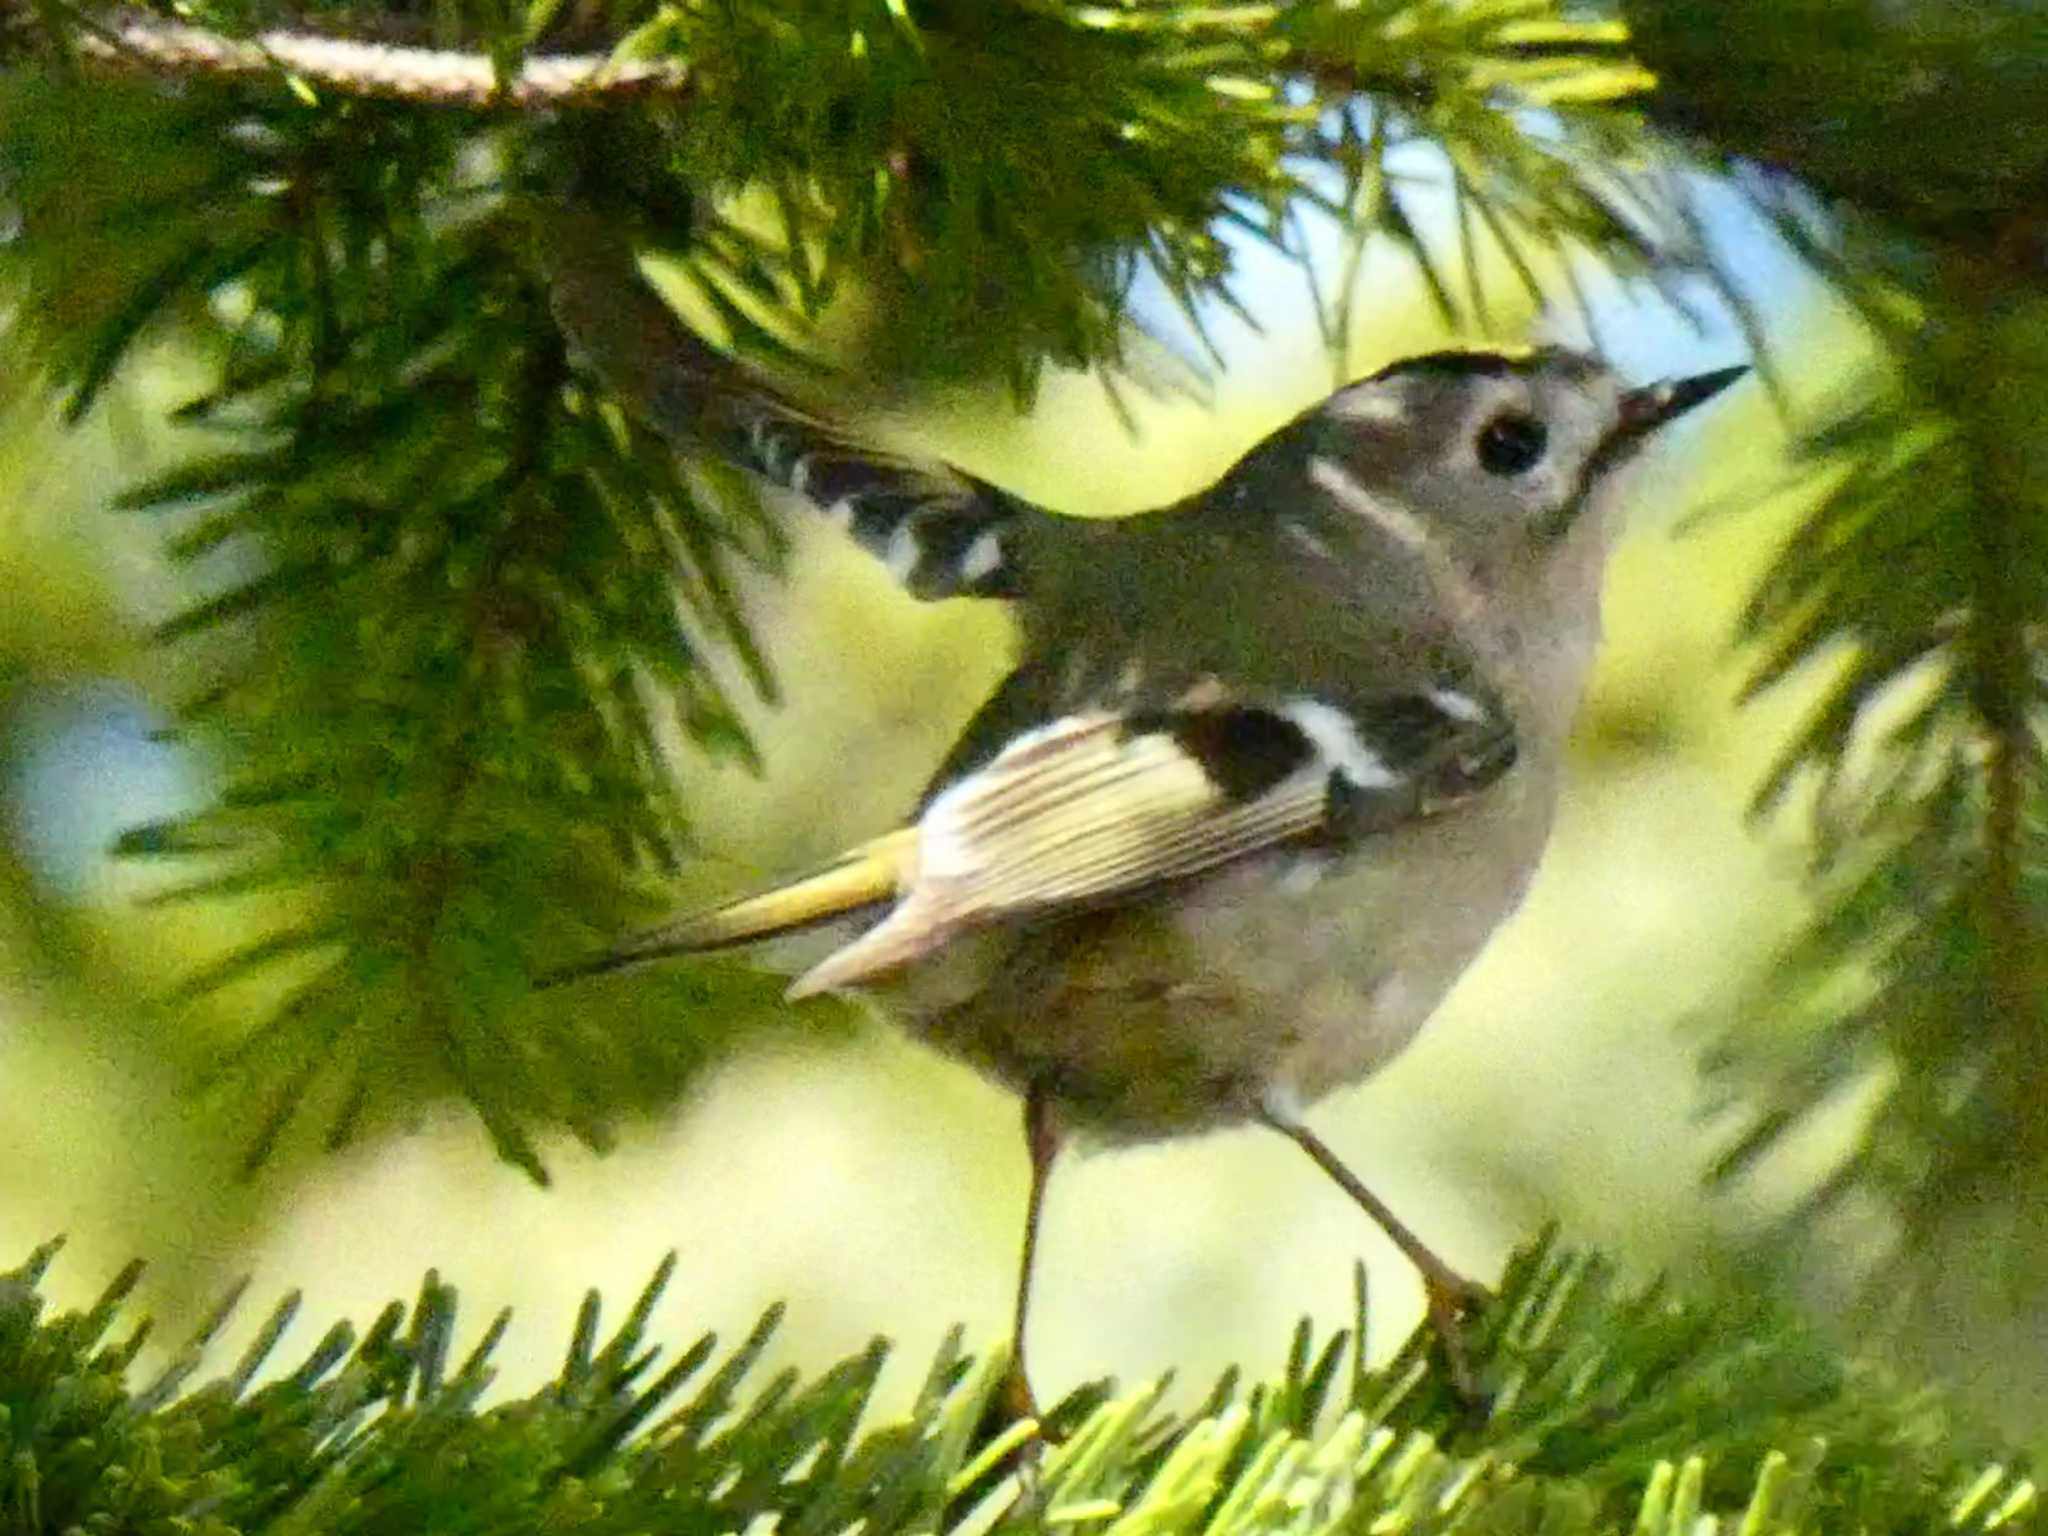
136,40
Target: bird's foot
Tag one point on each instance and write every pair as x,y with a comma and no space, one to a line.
1015,1400
1452,1301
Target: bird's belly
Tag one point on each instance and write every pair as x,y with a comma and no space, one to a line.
1276,980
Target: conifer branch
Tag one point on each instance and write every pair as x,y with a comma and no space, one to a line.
1611,1411
1914,585
371,70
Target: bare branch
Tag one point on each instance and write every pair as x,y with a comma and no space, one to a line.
135,39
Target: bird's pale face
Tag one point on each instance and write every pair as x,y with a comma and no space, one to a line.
1498,451
1493,452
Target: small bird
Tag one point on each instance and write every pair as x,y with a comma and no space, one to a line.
1274,763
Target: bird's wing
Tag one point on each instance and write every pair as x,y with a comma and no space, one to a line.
1104,803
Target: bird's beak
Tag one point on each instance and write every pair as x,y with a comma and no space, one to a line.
1644,410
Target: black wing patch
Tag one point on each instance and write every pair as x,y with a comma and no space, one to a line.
1442,746
1245,750
1408,729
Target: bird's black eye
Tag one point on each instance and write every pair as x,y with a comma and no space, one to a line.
1511,443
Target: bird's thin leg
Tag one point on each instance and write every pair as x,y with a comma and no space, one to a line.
1042,1141
1449,1294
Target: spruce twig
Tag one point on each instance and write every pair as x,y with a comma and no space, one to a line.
1613,1410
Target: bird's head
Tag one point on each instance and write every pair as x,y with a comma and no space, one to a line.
1492,451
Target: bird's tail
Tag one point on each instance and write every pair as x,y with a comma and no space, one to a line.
875,873
941,532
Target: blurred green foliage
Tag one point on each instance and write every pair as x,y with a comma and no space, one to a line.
1913,587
